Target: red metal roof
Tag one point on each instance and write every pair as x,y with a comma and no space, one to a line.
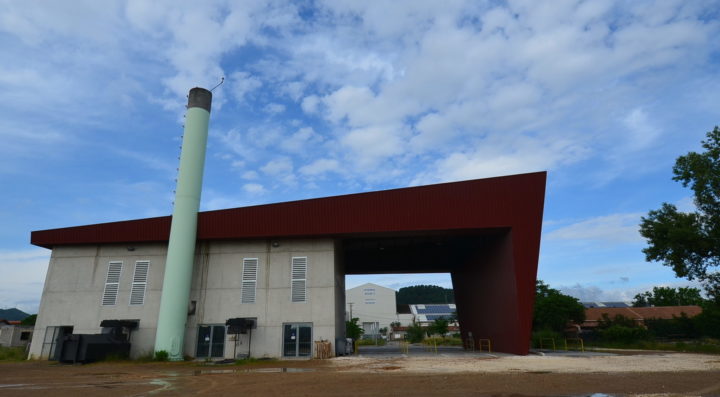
500,202
639,314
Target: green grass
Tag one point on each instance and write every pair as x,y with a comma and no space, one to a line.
12,354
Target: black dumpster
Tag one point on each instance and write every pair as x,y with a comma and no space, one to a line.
87,348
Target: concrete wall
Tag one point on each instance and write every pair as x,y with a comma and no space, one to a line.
372,303
76,279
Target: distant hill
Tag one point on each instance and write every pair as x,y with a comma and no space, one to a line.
422,294
13,314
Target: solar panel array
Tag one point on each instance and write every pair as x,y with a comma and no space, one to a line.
435,309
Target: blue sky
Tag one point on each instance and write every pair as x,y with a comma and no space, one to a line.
333,97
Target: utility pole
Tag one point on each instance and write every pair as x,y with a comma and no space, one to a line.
350,304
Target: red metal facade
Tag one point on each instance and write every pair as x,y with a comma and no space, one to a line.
483,203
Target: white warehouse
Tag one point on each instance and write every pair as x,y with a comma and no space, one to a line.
374,306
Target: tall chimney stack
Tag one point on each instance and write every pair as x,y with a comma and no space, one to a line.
183,230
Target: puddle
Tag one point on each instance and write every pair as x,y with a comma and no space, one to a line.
266,370
163,386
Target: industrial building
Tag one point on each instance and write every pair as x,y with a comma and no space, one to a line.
268,281
373,305
281,268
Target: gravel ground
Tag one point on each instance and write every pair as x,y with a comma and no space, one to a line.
578,363
442,375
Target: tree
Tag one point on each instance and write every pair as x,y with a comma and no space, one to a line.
421,294
29,320
440,327
667,296
554,310
352,329
689,242
415,333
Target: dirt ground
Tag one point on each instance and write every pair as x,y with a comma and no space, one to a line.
664,374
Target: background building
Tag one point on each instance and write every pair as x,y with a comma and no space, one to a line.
374,306
13,334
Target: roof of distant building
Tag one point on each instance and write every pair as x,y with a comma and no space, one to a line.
606,304
594,315
369,285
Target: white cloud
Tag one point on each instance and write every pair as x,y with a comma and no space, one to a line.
494,156
23,278
301,141
642,132
280,170
320,167
372,145
243,84
254,188
615,228
250,175
274,108
310,104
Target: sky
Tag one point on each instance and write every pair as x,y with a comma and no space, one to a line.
324,98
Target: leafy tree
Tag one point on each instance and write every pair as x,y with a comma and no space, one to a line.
440,326
352,329
553,309
421,294
689,242
667,296
711,285
29,320
415,333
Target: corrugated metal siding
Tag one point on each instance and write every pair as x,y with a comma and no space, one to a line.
510,201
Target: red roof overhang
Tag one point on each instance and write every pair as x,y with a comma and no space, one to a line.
503,202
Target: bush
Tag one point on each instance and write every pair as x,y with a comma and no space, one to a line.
708,322
371,342
677,327
12,354
623,334
415,333
544,335
161,355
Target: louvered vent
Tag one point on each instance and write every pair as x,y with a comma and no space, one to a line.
299,279
139,284
249,280
112,284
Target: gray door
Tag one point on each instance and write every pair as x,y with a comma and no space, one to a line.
211,341
297,340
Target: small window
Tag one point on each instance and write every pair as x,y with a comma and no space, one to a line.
298,277
369,291
369,301
112,284
25,335
139,283
249,280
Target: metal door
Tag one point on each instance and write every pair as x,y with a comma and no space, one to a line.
211,341
297,340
